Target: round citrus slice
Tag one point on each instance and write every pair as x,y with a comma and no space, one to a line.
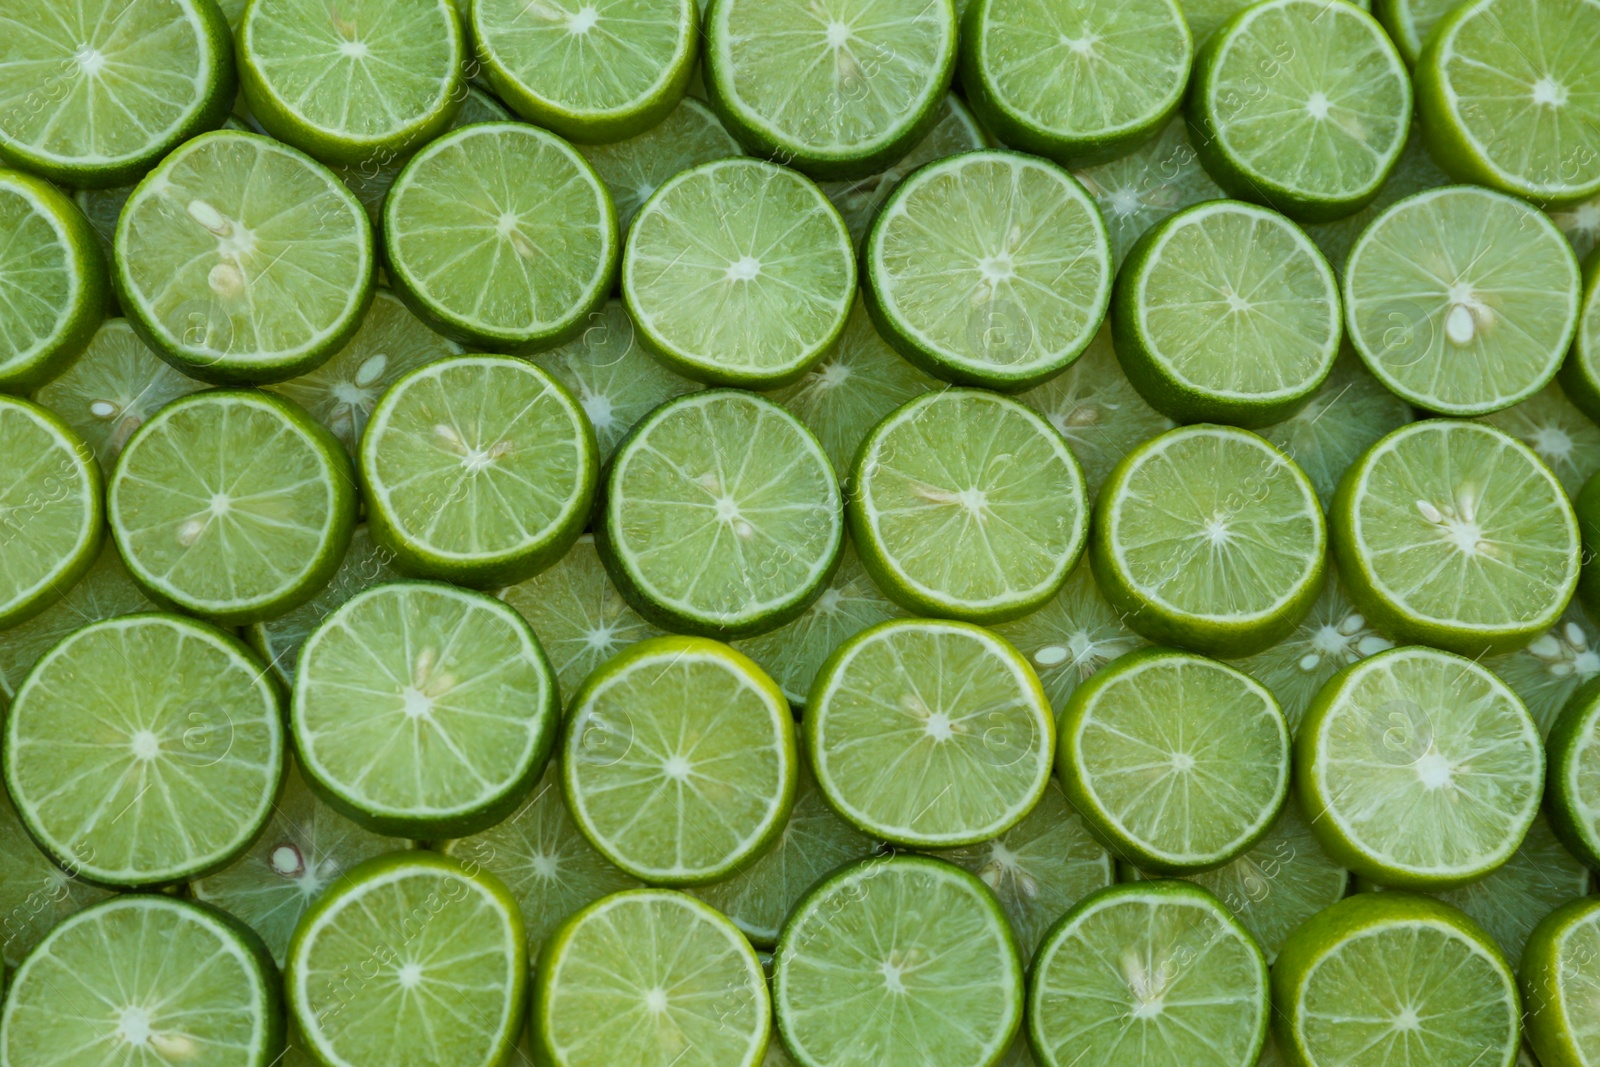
1560,981
633,169
1574,768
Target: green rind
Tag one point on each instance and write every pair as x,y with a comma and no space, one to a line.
1552,1009
1573,754
1580,371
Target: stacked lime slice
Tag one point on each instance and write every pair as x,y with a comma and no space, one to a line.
1138,190
1559,981
1566,439
633,169
1574,785
37,894
1549,670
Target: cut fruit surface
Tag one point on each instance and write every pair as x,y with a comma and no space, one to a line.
37,893
1559,979
633,169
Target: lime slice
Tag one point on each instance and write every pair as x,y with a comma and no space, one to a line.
410,957
1409,22
751,504
1415,172
739,272
841,92
1509,98
36,894
858,980
1573,794
1456,535
679,761
1548,423
112,389
364,80
1342,419
1226,312
633,169
1393,979
144,979
650,978
1178,763
930,734
537,851
1204,16
1462,300
1580,374
591,71
1560,982
1210,538
1094,406
1143,974
232,504
1301,105
611,376
858,381
989,268
1074,635
1549,669
421,710
1039,868
97,92
53,285
794,652
144,749
969,505
859,200
305,847
1138,190
478,469
1080,84
814,842
1331,637
342,392
469,227
51,513
1419,769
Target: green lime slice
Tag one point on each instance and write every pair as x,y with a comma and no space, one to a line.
595,71
1455,534
96,93
1560,983
1415,172
1074,635
305,847
1342,419
469,226
1580,374
53,284
612,377
858,980
240,260
814,842
357,81
36,894
410,956
857,382
752,506
1301,105
1204,16
112,388
989,268
1547,671
1462,300
232,504
144,979
794,652
51,512
633,169
144,749
1333,635
679,761
859,200
739,272
1040,867
967,504
1157,972
1393,979
929,734
1210,538
839,93
650,978
1509,98
537,851
1226,312
342,392
1080,84
422,710
1573,789
477,469
1138,190
1177,763
1419,769
1094,406
1409,22
1565,438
